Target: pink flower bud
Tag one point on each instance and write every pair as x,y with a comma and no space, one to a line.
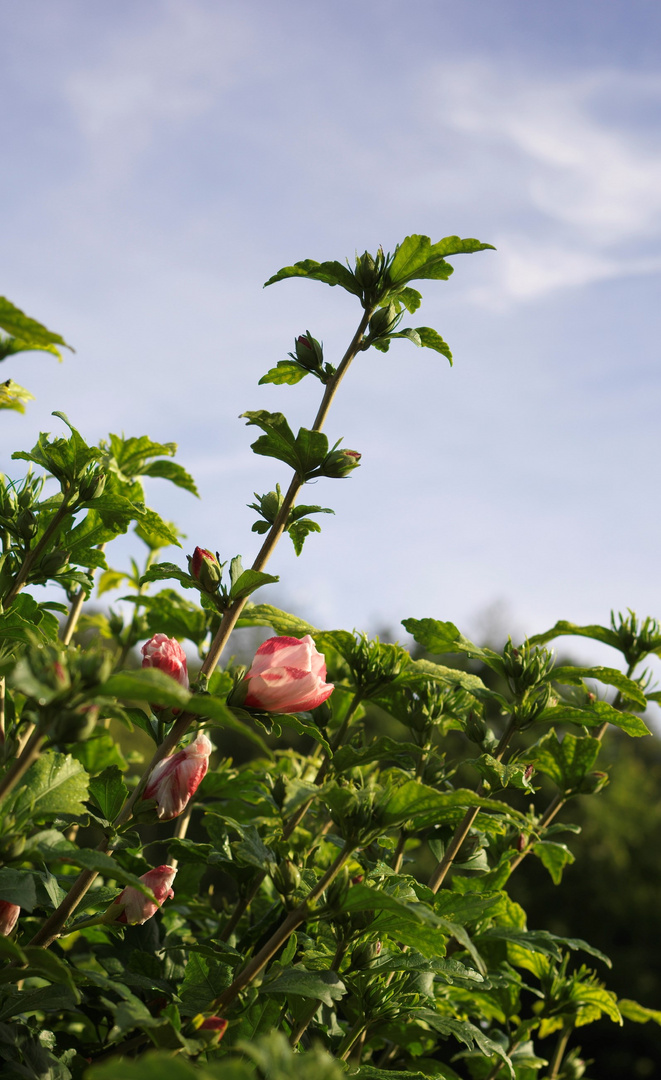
137,907
206,569
287,675
214,1023
8,917
167,655
176,778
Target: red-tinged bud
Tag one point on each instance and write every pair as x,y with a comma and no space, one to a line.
357,880
593,782
167,655
206,569
521,842
366,955
309,352
8,917
339,463
176,778
529,773
214,1023
136,908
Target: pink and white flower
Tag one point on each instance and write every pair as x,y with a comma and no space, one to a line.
287,675
167,655
8,917
176,778
137,907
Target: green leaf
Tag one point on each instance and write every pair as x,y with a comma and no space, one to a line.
145,684
284,624
594,715
417,258
45,998
286,371
610,676
170,613
19,325
425,805
165,571
444,637
381,749
155,1065
55,784
331,273
204,979
324,986
640,1014
109,792
567,762
18,887
554,857
175,473
248,582
431,339
564,628
98,753
13,396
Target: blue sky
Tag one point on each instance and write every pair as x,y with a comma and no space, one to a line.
161,160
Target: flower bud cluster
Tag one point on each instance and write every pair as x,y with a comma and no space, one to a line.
59,685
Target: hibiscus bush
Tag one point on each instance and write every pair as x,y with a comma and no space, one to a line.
307,872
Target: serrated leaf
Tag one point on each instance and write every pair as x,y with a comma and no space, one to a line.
55,784
166,571
444,637
554,857
285,372
330,273
248,582
18,887
417,258
109,792
564,628
13,396
594,715
18,324
204,979
610,676
640,1014
566,762
431,339
324,986
175,473
284,624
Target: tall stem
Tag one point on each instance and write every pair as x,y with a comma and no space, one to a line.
462,830
559,1052
55,922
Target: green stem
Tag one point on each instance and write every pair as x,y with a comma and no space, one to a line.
53,925
283,933
31,556
350,1039
462,830
75,609
559,1052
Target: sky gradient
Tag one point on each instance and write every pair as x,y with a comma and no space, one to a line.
162,160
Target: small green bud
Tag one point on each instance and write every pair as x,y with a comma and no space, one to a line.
73,725
309,352
279,792
53,561
593,782
339,463
366,272
476,728
286,877
383,320
27,524
365,955
94,668
92,486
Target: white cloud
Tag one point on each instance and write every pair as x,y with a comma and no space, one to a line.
165,73
541,150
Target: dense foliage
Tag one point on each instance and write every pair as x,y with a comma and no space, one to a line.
313,869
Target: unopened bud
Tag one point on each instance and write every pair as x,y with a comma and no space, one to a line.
383,320
205,568
476,728
286,877
309,352
339,463
529,773
92,486
53,561
366,272
27,524
365,955
593,782
521,842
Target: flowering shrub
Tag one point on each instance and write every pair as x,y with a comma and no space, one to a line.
342,897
